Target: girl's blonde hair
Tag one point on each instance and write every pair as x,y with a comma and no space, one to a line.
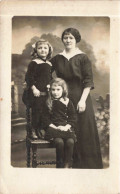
42,41
58,82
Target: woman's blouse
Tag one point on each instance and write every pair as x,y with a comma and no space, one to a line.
77,67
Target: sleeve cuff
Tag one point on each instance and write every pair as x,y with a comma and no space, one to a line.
88,85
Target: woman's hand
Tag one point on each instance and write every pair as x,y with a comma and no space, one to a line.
81,106
36,92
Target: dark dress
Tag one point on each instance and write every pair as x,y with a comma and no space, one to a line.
61,115
39,75
77,73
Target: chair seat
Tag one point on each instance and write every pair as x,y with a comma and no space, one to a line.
41,143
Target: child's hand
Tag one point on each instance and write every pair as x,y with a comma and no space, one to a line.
53,126
62,128
36,92
67,127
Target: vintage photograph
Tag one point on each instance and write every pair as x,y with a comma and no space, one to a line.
60,95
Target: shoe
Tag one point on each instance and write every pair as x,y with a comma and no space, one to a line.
42,133
33,135
37,133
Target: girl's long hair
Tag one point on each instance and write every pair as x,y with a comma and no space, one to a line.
57,82
41,41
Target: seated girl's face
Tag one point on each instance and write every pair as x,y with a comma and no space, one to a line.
56,91
43,50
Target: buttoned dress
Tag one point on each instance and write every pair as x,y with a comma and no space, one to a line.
63,113
39,75
77,72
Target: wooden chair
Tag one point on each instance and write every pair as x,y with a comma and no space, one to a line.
33,145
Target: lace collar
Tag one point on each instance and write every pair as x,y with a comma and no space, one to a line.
75,52
40,61
64,101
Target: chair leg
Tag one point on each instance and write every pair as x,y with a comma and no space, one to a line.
34,160
28,153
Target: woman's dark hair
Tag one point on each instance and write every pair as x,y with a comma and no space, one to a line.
74,32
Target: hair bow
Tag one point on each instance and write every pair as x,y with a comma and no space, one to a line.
33,46
48,87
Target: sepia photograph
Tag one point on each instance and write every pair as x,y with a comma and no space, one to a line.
60,123
59,86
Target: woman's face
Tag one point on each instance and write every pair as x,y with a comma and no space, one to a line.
69,41
56,91
42,50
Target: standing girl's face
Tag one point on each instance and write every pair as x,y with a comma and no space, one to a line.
43,50
69,41
56,91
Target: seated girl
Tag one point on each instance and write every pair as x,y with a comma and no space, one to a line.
60,122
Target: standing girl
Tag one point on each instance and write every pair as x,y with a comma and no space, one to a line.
60,121
74,67
38,77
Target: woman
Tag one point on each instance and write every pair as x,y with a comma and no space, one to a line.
74,67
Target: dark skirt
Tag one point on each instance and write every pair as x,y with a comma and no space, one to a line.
87,152
52,133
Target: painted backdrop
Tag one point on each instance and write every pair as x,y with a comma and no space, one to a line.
95,33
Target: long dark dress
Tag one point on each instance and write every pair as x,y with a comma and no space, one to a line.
39,75
77,73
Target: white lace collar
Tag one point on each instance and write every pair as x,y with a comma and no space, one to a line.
39,61
75,52
64,101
